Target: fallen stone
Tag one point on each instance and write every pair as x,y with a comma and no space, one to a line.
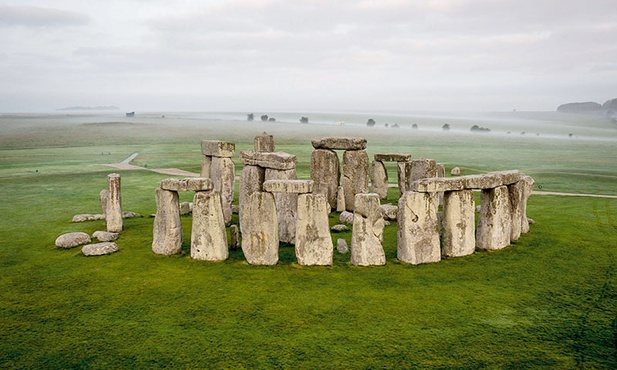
264,143
325,172
188,184
260,242
531,221
274,160
72,240
339,228
235,209
87,217
393,157
418,237
367,233
379,179
456,171
215,148
355,175
340,143
99,249
208,234
346,217
341,246
131,215
313,241
104,236
389,211
289,186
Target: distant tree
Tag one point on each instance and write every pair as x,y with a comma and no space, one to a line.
395,125
476,128
250,117
271,119
264,117
446,127
386,125
414,126
370,122
304,120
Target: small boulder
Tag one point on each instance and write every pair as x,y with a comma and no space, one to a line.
346,217
185,208
99,249
531,221
340,228
341,246
87,217
389,211
130,215
72,240
105,236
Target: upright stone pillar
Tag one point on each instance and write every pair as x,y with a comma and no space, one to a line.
458,224
313,241
223,175
208,235
367,233
286,205
167,231
340,200
404,174
251,181
379,179
495,222
421,169
325,172
264,143
260,242
114,204
418,238
515,192
355,175
104,198
528,183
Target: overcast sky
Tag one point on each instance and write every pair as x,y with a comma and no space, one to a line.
306,55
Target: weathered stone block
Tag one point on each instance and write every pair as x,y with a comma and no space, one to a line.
355,175
367,233
313,240
206,165
456,171
404,174
422,168
339,143
71,240
379,179
393,157
325,172
346,218
528,183
509,177
289,186
104,198
216,148
486,181
113,213
458,224
389,211
495,222
251,181
188,184
340,199
274,160
260,242
167,229
234,237
208,234
515,192
104,236
418,238
286,205
264,143
99,249
223,175
437,184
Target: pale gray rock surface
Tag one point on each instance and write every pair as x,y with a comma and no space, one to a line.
339,143
404,173
104,198
264,143
72,240
87,217
346,218
104,236
185,208
99,249
340,199
389,211
286,205
187,184
495,220
208,234
251,181
341,246
392,157
379,179
223,175
260,236
206,166
367,233
326,174
340,228
289,186
515,192
234,237
113,214
458,224
216,148
273,160
527,189
355,175
456,171
418,237
313,241
167,228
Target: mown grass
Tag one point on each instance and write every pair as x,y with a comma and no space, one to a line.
548,301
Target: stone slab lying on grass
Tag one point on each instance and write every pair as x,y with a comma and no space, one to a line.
72,240
216,148
87,217
389,211
272,160
340,227
105,236
346,217
289,186
99,249
393,157
339,143
188,184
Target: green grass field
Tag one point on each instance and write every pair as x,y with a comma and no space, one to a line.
547,301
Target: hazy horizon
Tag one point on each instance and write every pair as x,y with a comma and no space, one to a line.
306,55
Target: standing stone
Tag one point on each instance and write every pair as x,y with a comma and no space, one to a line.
441,170
515,192
264,143
286,205
167,232
355,175
114,204
313,240
325,172
208,235
528,183
422,168
495,222
458,223
418,238
379,179
206,166
234,237
341,246
251,181
404,172
340,199
223,175
104,197
260,235
367,233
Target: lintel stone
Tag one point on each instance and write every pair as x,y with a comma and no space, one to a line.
289,186
217,148
340,143
393,157
188,184
273,160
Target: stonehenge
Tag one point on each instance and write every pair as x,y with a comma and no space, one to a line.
219,167
113,208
